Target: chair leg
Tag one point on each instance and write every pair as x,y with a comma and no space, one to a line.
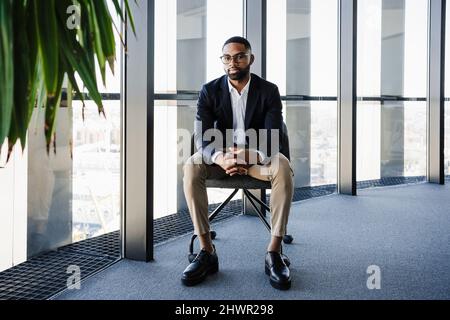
191,254
260,194
258,200
220,207
260,214
287,238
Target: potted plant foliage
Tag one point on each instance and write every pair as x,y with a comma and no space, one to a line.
41,43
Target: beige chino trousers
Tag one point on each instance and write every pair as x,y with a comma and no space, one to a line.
279,172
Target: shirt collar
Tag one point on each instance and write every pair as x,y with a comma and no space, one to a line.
244,91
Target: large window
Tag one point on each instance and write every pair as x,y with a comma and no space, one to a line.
391,88
189,35
302,62
96,157
96,170
74,193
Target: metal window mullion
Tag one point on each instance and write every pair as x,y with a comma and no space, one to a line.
435,91
123,96
255,20
139,133
347,97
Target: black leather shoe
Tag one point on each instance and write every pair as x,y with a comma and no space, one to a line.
278,271
204,263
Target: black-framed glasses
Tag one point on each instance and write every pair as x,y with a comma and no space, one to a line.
240,57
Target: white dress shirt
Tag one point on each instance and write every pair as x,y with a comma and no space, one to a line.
238,105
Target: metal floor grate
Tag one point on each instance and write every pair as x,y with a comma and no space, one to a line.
107,245
45,275
178,224
389,181
304,193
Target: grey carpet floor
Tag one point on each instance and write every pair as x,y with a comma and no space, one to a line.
404,230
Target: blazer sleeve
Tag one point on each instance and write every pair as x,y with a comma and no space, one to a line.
204,120
273,120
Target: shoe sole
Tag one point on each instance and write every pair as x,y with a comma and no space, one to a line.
276,285
194,281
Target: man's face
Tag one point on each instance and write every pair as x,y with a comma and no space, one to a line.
239,65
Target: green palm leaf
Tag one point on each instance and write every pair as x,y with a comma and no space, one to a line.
98,47
25,59
105,31
38,50
48,42
6,68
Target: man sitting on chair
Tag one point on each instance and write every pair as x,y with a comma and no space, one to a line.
238,101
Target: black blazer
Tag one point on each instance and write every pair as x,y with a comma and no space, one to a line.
263,111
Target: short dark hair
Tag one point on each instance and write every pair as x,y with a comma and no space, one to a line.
238,39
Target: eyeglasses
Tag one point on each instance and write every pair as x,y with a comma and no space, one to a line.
240,57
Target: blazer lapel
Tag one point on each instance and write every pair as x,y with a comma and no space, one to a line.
252,99
225,102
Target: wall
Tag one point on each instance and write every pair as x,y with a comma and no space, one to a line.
13,208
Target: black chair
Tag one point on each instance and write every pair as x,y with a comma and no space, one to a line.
245,183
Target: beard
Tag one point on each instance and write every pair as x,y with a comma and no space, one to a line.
240,74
